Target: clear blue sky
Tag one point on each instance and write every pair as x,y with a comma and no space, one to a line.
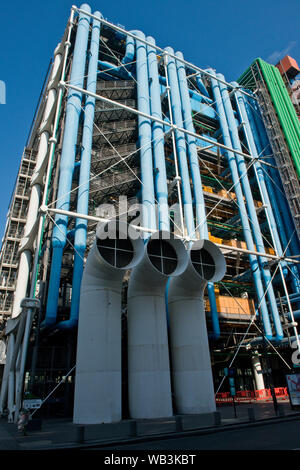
226,35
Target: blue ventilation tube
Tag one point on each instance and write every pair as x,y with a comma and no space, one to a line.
83,186
201,86
283,206
145,135
262,151
73,111
250,205
181,145
260,174
193,94
197,183
158,140
108,70
280,222
242,208
130,51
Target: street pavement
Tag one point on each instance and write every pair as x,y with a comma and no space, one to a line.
201,432
271,436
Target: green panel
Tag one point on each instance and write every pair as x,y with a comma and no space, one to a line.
283,106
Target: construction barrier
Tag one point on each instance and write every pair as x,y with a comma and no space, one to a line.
247,396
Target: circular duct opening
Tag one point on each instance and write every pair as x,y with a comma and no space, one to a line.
115,251
162,255
203,263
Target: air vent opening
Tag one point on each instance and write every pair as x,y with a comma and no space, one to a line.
115,251
203,263
162,255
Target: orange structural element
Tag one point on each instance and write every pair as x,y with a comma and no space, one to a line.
233,305
288,66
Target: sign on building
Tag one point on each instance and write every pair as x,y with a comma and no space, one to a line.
293,382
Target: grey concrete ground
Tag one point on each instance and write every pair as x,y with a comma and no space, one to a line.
277,436
63,434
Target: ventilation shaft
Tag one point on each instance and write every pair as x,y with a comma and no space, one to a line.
189,349
98,365
149,380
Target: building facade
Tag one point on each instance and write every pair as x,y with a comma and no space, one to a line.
128,131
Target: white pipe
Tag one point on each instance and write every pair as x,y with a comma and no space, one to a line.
256,253
177,177
46,209
24,269
11,382
98,365
257,370
191,366
149,381
35,195
29,306
4,384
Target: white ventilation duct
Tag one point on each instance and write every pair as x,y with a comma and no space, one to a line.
189,349
98,366
149,381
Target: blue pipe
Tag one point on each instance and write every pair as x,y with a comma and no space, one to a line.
260,174
251,207
193,94
158,139
296,314
197,183
130,50
73,111
274,181
107,69
113,70
242,208
83,187
262,145
145,135
280,198
280,222
180,145
201,86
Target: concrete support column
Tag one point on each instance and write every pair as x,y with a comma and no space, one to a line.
257,370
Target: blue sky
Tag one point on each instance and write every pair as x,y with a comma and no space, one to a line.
227,35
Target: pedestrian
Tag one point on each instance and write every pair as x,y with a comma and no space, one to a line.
23,421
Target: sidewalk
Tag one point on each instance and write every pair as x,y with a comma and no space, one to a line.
63,434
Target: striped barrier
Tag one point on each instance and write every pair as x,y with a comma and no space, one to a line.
247,396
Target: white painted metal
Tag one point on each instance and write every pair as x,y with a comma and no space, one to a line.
98,364
177,177
35,195
149,385
16,390
189,349
46,209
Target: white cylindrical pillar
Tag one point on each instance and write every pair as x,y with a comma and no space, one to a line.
98,365
191,365
257,371
149,380
26,245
